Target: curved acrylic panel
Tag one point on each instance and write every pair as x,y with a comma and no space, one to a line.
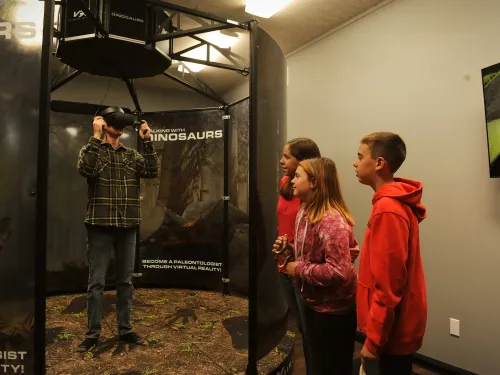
20,67
267,137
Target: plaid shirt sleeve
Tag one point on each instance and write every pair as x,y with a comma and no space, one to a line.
88,159
148,163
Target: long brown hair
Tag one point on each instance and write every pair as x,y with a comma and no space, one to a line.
327,195
301,149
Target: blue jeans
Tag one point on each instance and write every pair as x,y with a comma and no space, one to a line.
296,305
100,241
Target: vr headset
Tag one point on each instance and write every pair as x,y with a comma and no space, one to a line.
118,119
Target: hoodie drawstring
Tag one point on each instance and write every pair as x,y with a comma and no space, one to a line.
301,213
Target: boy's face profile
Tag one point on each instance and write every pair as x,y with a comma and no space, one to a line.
364,166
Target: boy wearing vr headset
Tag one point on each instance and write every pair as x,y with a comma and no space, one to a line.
113,174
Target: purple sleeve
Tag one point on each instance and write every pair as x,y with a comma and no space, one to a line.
333,239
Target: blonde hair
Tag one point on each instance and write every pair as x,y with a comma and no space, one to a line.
327,195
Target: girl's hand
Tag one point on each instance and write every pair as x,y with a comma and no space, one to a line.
280,244
290,268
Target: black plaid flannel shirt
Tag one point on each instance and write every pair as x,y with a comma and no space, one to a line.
113,177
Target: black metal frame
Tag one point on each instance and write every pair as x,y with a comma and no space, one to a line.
65,80
133,94
191,32
194,12
99,26
173,33
253,196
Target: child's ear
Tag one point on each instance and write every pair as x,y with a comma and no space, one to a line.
379,164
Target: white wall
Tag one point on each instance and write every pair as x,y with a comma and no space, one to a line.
414,67
93,89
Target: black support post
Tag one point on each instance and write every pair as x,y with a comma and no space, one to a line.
42,187
137,262
253,209
66,80
225,237
133,94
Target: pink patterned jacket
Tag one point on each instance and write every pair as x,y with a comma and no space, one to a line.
326,274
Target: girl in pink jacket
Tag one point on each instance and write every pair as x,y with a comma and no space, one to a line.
323,268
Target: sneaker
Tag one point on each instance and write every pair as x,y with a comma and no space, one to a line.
131,338
86,344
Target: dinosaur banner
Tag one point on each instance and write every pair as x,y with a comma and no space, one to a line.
182,230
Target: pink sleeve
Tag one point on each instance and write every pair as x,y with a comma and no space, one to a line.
333,238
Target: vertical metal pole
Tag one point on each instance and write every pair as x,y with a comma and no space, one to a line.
253,208
42,186
225,239
137,262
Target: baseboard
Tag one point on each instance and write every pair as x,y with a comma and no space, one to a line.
428,361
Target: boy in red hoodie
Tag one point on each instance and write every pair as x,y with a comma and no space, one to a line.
391,295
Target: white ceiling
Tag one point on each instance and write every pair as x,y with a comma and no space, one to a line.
294,26
301,22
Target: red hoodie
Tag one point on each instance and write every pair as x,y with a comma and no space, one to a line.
391,297
287,212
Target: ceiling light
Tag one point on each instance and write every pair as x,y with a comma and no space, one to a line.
265,8
224,39
199,53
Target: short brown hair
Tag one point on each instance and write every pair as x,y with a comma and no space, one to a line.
301,149
327,196
386,145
